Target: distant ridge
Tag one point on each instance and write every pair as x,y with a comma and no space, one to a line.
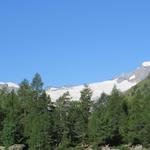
122,82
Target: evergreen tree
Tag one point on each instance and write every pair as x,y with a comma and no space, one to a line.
115,113
37,83
99,128
75,123
139,120
28,116
37,121
107,120
61,114
12,127
86,103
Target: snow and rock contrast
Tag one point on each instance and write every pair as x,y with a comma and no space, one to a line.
9,86
122,82
146,64
97,88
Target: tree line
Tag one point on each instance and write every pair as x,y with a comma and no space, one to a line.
28,116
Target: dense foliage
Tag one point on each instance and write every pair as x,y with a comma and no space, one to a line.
29,117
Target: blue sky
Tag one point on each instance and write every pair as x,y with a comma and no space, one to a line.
72,41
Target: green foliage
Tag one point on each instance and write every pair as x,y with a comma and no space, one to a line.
75,123
107,120
70,148
29,117
8,133
123,147
116,114
86,103
98,125
37,83
37,130
139,120
12,127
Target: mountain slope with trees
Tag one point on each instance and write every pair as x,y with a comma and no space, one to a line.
29,117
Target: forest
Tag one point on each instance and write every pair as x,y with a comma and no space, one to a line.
29,117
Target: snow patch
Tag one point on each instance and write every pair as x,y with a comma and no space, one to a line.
97,88
10,84
125,85
132,77
146,64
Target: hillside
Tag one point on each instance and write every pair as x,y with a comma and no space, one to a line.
123,82
142,87
29,117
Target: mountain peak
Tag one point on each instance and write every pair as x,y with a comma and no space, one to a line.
146,64
9,84
123,83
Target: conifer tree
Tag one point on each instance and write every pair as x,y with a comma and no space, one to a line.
37,83
61,114
12,131
37,121
86,103
99,128
116,112
139,120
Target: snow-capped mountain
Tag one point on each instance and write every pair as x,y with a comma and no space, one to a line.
9,86
122,82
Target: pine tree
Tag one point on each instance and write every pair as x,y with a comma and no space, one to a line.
37,83
86,103
12,127
75,123
116,112
37,122
99,128
61,114
139,120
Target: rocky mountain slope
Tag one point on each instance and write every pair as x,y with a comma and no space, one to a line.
122,82
9,86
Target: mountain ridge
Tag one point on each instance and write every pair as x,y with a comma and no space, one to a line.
122,82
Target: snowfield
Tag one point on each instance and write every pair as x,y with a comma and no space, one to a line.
123,82
146,64
97,89
132,77
10,84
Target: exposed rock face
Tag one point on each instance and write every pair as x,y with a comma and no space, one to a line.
138,147
2,148
89,148
136,76
122,83
105,147
9,86
17,147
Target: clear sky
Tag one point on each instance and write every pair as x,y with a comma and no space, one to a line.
72,41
